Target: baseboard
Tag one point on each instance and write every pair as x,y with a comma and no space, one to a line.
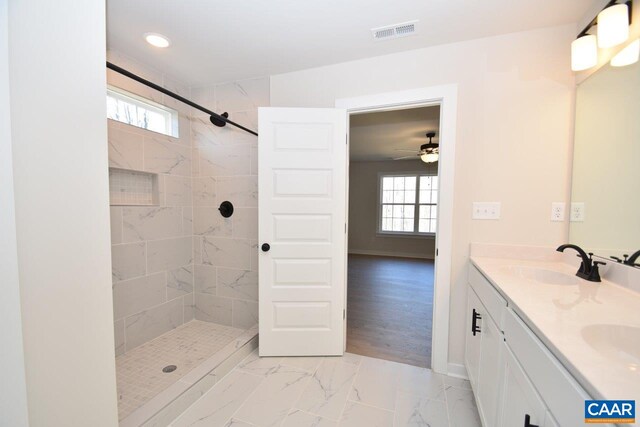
458,371
388,254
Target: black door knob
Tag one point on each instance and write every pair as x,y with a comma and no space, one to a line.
266,247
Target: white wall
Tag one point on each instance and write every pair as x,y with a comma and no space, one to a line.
363,211
59,141
13,393
514,131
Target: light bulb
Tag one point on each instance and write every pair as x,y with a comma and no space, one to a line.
157,40
584,53
429,157
627,56
613,26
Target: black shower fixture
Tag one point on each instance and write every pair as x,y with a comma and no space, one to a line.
218,122
226,209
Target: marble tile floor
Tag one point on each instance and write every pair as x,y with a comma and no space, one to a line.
348,391
139,374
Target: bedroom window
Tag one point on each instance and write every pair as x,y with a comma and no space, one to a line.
408,204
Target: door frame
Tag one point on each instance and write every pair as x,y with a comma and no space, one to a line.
446,96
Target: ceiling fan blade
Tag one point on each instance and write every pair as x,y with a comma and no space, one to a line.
406,157
402,149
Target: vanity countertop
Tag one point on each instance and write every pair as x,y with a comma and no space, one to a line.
592,328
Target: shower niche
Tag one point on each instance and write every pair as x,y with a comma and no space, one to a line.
133,188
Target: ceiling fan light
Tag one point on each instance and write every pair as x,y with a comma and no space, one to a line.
429,157
613,25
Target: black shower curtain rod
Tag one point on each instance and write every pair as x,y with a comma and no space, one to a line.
221,119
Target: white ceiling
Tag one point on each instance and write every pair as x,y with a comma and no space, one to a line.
382,136
216,41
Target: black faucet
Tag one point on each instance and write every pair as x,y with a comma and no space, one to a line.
631,260
588,268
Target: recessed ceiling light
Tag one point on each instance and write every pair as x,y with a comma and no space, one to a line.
157,40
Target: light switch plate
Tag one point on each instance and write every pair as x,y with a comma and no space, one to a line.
486,210
577,212
557,211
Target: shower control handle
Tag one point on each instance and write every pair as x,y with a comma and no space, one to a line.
265,247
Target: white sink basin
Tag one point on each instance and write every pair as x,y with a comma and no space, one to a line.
542,275
618,343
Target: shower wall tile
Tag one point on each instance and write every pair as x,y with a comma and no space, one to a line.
169,254
143,223
242,191
245,223
254,158
180,282
203,96
242,95
149,324
205,280
128,261
116,225
207,221
224,160
214,309
118,333
135,295
242,284
204,191
197,250
155,299
177,190
255,251
226,252
245,314
165,157
125,148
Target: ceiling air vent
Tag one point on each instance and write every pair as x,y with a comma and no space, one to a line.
394,31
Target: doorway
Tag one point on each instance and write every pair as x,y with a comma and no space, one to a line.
393,194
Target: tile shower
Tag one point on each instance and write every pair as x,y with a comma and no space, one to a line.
184,277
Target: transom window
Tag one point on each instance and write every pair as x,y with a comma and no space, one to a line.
133,110
408,204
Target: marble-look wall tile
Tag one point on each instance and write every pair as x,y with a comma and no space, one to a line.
197,250
244,314
169,254
224,160
242,95
254,159
226,252
167,158
118,333
210,308
177,190
189,307
135,295
207,221
203,96
242,191
116,225
179,282
125,149
204,191
149,223
245,223
151,323
187,221
254,254
242,284
128,261
205,280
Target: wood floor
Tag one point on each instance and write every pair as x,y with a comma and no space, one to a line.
389,308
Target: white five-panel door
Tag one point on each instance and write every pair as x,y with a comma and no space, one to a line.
302,158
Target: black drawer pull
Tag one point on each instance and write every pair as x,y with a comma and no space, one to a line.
474,326
527,421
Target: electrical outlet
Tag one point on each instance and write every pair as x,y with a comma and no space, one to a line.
486,210
557,211
578,212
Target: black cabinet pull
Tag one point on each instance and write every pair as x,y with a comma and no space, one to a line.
266,247
527,421
474,325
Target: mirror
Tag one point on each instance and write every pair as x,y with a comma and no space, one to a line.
605,196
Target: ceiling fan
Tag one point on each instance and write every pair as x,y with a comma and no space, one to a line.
428,153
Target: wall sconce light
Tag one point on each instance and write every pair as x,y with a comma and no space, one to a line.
584,53
612,27
627,56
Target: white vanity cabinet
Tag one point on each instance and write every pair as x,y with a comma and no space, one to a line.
516,380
